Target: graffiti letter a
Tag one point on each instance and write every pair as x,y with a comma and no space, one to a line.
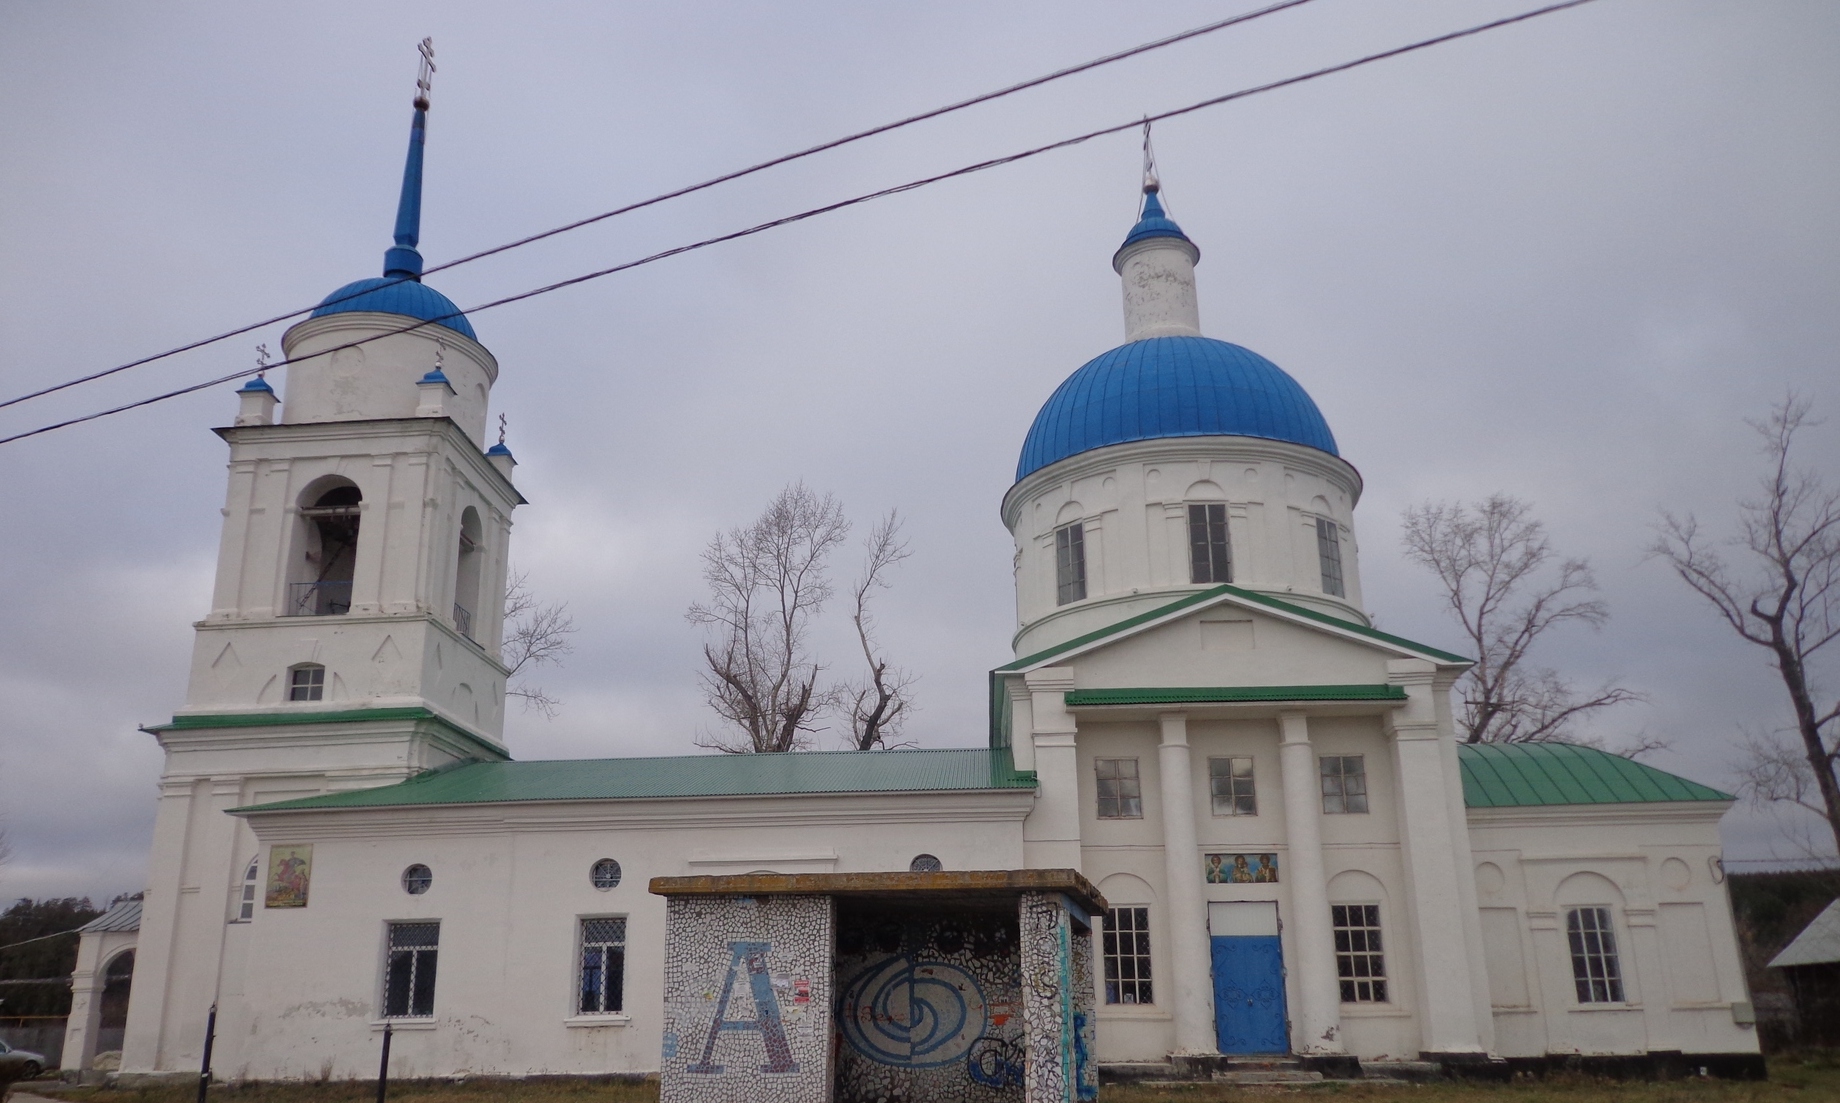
753,957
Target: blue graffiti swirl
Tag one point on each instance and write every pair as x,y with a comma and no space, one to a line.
913,1014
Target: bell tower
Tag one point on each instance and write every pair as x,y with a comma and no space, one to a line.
354,630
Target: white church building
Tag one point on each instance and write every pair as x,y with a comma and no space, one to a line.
1297,855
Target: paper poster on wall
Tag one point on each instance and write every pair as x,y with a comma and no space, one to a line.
1242,869
289,870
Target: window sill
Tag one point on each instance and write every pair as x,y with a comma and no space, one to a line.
1139,1012
1600,1008
404,1024
578,1021
1374,1011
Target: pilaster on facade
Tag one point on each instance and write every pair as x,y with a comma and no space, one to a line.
1051,834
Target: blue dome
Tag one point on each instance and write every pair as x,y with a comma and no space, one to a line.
397,296
1172,387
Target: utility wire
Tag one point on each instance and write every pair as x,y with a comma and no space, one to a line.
822,147
813,212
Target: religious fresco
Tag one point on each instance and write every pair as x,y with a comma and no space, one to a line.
290,869
929,1005
1242,869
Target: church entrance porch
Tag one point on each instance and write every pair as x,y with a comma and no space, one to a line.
971,987
1249,1010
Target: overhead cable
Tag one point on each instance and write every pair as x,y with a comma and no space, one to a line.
813,212
822,147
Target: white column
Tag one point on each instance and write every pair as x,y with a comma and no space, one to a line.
1051,833
1435,870
1318,1022
1185,909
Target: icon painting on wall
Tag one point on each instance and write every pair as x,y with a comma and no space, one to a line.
289,870
1242,869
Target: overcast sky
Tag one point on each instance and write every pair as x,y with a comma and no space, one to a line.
1565,260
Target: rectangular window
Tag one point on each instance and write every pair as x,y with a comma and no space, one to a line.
307,683
603,966
1121,797
1230,780
1344,783
1359,964
1070,563
1210,557
1329,550
408,981
1126,945
1595,969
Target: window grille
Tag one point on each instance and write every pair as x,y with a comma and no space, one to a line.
246,910
1126,950
1210,556
1230,780
1070,563
1595,968
1121,795
605,874
603,966
417,879
1344,783
1359,964
925,863
307,683
1329,551
408,983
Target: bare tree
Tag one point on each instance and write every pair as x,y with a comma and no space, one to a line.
1785,597
767,581
536,634
1503,583
878,702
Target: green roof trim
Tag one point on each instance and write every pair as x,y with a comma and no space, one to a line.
1231,694
200,721
683,776
1521,775
1204,596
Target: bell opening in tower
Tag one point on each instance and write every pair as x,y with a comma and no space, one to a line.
327,537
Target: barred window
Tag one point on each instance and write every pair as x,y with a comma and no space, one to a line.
1359,964
603,966
1126,946
307,682
1595,969
1230,780
1210,556
408,982
1329,551
1344,783
1121,795
1070,563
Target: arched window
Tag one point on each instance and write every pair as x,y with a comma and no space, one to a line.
327,539
466,573
117,980
246,908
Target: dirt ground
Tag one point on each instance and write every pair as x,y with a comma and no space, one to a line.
1797,1079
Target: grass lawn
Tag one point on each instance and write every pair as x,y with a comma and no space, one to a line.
1792,1080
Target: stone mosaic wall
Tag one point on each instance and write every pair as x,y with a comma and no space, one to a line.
747,999
1057,1002
929,1005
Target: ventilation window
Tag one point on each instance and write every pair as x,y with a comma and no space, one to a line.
924,863
1070,563
417,879
605,874
307,682
1210,556
1329,551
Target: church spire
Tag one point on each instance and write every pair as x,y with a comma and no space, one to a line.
402,261
1157,265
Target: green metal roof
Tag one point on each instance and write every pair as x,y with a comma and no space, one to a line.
1184,695
1518,775
1203,597
741,775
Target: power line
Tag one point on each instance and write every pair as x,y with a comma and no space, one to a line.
813,212
713,181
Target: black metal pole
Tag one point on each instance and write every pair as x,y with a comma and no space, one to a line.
383,1069
210,1036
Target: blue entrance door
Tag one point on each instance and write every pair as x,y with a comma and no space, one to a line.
1248,977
